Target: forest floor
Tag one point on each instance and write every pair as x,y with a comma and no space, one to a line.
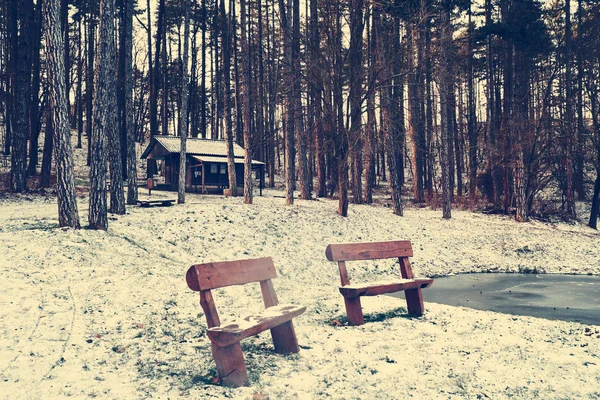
108,314
88,313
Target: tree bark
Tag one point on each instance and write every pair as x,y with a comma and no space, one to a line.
104,116
18,172
246,73
444,79
183,114
68,214
130,134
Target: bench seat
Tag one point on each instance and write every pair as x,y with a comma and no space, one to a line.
162,202
382,287
254,324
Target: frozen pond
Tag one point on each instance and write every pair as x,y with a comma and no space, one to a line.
565,297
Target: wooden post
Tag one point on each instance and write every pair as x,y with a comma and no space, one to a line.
230,365
284,335
203,175
414,297
353,306
354,311
150,186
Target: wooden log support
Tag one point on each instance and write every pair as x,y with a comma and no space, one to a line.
354,311
414,297
230,365
284,338
225,339
370,251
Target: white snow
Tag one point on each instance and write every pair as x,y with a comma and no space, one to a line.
108,314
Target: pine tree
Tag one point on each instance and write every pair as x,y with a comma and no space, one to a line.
183,115
65,183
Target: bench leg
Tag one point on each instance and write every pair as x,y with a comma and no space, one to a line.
414,302
230,365
284,338
354,311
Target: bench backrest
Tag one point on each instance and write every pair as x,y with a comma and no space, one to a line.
369,251
401,249
228,273
204,277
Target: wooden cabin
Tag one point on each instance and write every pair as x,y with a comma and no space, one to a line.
206,164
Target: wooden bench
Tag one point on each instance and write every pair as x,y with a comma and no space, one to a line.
371,251
225,339
160,202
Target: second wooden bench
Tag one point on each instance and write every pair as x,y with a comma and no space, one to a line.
371,251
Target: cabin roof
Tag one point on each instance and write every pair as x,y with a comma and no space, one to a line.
194,146
223,159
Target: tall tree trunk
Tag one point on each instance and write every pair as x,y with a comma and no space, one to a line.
183,115
290,118
370,143
68,214
355,80
246,74
34,115
203,100
89,84
569,131
153,79
578,182
301,153
595,210
471,114
104,116
316,88
18,172
445,87
415,103
79,98
392,131
227,36
130,136
164,105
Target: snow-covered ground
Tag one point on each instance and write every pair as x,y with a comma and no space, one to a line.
109,315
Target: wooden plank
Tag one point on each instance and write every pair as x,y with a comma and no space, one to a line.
253,324
405,269
227,273
210,309
368,251
343,273
230,365
268,293
376,288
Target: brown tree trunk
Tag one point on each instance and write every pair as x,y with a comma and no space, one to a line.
65,182
130,136
104,123
183,114
445,87
301,153
569,131
18,171
246,73
46,171
34,115
355,81
227,35
89,85
290,111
